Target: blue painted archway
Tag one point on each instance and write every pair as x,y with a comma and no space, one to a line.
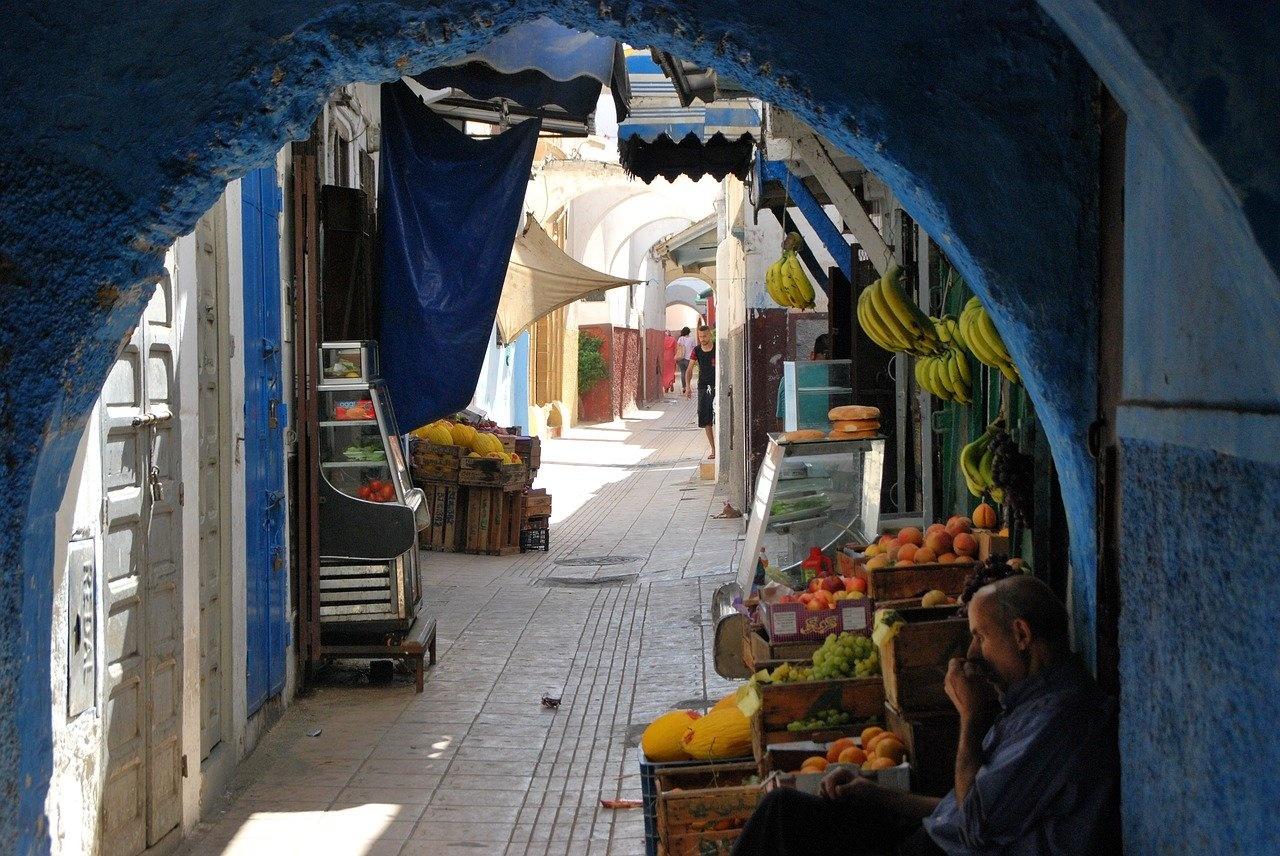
117,136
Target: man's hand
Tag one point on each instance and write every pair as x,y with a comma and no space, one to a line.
971,692
846,785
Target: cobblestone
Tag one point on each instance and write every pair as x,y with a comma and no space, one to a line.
475,764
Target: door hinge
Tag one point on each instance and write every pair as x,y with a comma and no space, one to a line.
182,493
184,766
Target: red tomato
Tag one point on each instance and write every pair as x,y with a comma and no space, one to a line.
388,493
363,492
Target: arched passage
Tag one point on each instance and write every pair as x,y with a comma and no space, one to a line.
983,131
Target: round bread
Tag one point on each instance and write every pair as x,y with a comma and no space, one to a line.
855,425
853,411
853,435
801,436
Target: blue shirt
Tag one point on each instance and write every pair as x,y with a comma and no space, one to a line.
1047,783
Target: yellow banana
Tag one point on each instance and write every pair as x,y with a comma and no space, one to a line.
962,364
772,285
992,336
871,325
887,318
907,313
799,279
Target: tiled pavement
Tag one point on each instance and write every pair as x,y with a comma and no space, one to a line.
475,765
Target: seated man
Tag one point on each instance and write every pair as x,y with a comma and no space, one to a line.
1035,769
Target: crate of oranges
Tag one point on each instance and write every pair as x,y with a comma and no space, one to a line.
876,753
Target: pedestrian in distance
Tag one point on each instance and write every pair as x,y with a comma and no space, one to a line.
669,348
684,350
1036,768
704,360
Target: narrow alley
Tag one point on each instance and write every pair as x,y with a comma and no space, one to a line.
613,620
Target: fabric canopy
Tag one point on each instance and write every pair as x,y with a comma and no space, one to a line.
448,207
663,137
539,64
541,279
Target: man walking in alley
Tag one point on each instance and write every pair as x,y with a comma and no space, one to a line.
684,349
1035,771
704,360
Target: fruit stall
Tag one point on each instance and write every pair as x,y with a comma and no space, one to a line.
478,480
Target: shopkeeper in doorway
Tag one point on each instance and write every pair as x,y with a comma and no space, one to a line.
703,359
1036,767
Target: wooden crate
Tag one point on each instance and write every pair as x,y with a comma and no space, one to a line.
444,501
914,662
491,473
493,520
914,580
759,653
931,740
695,801
702,844
781,704
537,503
528,448
435,463
989,542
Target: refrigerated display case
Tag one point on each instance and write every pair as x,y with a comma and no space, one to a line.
370,514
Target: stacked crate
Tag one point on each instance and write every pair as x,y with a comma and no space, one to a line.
536,531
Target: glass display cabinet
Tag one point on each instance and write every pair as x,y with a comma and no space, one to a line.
811,389
819,493
370,513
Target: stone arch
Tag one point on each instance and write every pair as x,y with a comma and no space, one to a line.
989,112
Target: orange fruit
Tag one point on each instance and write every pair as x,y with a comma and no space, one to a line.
868,733
947,559
814,764
905,563
891,748
965,544
834,750
907,552
925,556
911,535
878,764
875,741
853,755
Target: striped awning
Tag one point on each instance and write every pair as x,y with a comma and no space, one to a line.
663,137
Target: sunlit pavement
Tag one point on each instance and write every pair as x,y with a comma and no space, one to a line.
475,764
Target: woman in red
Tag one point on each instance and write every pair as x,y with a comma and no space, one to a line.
668,363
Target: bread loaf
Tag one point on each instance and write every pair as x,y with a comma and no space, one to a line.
853,411
801,435
855,425
853,435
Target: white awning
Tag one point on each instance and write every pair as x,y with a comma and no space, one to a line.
541,279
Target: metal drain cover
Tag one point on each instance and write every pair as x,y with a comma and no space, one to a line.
591,561
586,582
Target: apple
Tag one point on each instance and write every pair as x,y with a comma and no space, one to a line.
832,584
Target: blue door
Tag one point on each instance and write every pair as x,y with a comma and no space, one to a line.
266,631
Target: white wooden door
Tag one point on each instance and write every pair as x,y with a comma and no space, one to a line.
211,256
142,794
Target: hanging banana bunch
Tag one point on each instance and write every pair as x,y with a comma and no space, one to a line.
947,376
977,464
979,335
786,281
893,322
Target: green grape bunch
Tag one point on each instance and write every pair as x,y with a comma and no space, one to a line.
823,720
847,655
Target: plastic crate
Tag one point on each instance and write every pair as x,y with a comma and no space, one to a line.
649,792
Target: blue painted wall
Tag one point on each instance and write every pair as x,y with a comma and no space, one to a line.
119,134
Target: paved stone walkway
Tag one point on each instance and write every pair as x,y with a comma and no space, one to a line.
475,765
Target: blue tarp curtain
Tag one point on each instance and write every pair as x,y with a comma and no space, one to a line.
448,209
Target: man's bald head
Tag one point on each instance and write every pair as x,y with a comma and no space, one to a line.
1024,597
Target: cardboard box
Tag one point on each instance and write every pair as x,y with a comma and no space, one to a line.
790,622
898,778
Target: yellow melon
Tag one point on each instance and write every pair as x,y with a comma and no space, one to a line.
723,733
731,698
663,739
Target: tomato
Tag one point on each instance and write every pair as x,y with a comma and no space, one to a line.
363,492
388,493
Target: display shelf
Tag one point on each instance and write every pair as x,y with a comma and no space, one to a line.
335,465
343,423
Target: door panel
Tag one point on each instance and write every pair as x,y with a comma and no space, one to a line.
264,439
142,796
213,452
